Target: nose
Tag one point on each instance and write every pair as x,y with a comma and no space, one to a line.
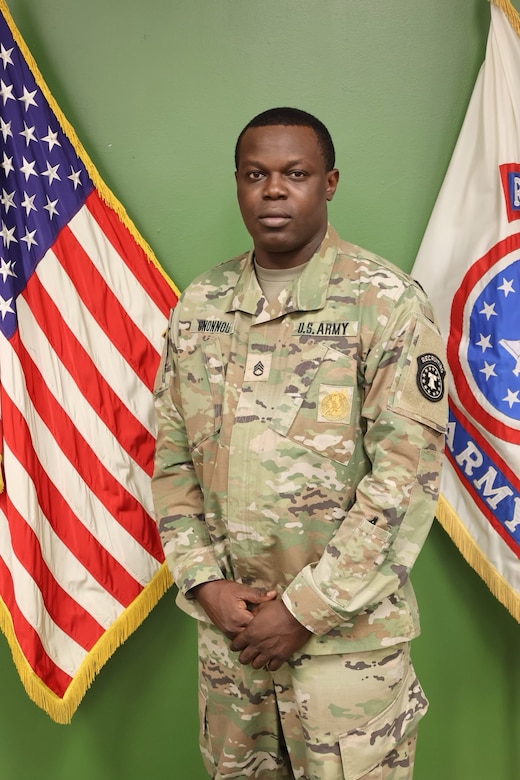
275,187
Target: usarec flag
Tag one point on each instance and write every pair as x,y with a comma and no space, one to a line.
469,264
83,306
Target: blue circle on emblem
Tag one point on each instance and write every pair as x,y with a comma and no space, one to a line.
494,341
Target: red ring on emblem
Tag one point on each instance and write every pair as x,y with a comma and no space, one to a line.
464,389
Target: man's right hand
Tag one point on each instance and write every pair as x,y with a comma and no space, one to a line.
227,603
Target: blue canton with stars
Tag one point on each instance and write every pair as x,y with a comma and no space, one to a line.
43,183
494,341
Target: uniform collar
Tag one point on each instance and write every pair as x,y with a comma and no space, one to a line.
309,292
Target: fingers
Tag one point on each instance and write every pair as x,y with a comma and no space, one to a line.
258,595
238,643
256,659
261,661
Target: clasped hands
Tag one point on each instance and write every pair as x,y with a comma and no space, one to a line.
258,623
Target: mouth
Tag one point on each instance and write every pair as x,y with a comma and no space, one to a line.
274,219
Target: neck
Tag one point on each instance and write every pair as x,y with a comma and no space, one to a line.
267,259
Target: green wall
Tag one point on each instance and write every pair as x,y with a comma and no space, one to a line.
157,92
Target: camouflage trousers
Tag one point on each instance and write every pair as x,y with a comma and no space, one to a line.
325,717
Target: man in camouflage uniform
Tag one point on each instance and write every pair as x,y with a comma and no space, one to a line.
301,413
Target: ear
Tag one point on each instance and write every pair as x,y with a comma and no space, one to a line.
332,182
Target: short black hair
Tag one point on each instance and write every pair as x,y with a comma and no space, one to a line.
293,117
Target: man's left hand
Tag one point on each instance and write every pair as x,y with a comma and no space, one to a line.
271,637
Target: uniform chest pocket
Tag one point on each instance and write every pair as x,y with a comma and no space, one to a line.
319,403
201,380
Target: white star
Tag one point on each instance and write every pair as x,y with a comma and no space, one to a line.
51,172
28,168
507,287
7,200
511,398
5,55
7,235
5,129
7,165
28,98
488,370
28,134
74,177
51,207
484,343
5,307
29,238
28,203
5,92
6,269
51,139
489,310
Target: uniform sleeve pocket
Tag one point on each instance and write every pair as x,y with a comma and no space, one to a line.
365,550
420,393
362,749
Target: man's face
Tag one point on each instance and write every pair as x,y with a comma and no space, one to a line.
283,189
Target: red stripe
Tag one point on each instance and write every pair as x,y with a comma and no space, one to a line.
110,574
465,424
70,616
128,512
128,430
131,253
106,308
29,641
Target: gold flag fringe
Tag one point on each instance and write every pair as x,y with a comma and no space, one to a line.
106,194
472,553
510,11
62,710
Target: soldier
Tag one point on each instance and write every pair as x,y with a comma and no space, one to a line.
301,414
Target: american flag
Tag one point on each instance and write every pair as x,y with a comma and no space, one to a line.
83,309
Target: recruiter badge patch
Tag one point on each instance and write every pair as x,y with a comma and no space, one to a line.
430,377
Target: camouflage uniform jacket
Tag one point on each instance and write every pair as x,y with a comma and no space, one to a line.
300,442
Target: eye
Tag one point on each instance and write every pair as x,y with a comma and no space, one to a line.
297,174
255,175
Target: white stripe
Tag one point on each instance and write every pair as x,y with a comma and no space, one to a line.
83,502
59,646
70,573
62,386
127,385
134,299
492,546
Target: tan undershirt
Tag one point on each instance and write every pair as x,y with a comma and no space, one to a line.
274,280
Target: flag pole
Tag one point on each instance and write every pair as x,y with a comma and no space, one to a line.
510,11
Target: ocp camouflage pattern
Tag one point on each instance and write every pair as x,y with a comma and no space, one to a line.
300,442
349,715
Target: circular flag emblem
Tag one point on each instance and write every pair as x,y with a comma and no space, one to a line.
484,341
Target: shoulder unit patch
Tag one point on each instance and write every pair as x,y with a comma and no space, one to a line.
430,376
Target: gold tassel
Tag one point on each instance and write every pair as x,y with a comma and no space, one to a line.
472,553
62,710
510,11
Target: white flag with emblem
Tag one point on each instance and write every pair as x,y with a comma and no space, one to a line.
469,264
